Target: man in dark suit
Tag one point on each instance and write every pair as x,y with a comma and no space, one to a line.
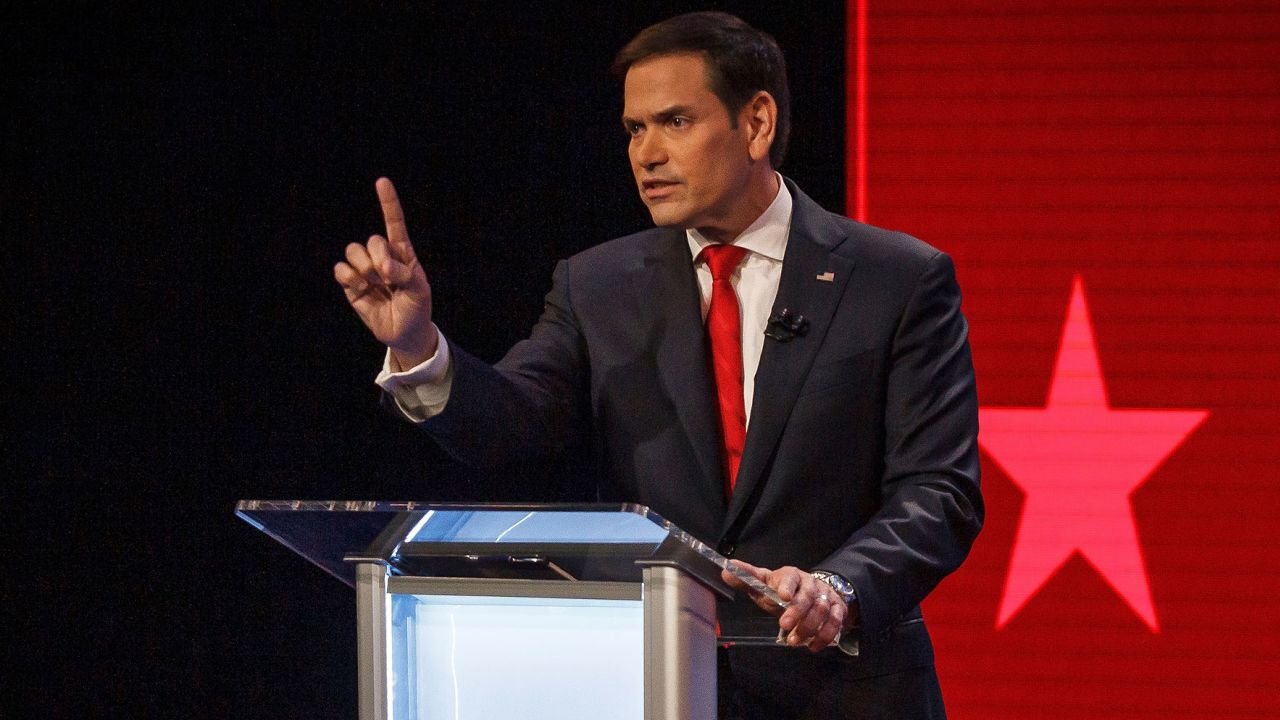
788,385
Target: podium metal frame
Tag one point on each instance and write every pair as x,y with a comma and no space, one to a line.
677,580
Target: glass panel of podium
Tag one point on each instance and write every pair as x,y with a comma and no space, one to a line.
531,611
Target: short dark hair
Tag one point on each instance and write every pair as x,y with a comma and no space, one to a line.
741,61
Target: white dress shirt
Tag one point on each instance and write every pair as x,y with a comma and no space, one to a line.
421,392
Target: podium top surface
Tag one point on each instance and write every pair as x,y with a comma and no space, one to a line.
570,542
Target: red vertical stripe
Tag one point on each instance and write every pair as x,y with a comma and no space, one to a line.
856,92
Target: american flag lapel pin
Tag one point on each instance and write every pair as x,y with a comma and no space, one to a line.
827,276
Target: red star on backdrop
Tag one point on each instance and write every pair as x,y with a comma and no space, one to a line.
1078,461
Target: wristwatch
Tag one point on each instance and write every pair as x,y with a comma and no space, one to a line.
843,588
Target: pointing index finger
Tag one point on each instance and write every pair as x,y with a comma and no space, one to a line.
397,232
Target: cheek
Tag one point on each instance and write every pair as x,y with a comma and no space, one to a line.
700,168
723,159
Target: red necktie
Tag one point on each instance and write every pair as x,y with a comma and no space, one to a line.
724,328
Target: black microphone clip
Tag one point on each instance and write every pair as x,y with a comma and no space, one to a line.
785,325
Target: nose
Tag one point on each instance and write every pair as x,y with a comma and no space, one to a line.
648,151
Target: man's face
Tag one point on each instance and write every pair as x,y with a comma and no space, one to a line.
690,163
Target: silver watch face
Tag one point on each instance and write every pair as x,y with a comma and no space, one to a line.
839,584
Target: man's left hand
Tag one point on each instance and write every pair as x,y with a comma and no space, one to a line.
815,614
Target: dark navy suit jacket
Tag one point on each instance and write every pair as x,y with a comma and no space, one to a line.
861,456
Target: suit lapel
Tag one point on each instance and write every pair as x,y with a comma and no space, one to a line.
667,284
784,365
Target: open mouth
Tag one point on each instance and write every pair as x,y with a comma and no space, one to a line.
657,189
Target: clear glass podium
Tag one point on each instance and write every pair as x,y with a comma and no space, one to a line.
529,611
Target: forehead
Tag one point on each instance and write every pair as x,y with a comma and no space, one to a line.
656,83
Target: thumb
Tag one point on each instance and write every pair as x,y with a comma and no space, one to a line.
735,581
759,573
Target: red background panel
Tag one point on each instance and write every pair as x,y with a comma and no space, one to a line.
1135,148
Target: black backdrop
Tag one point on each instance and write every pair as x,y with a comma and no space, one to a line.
177,187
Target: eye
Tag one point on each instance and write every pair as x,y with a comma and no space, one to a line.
678,122
632,129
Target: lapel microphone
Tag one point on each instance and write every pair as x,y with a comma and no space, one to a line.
785,325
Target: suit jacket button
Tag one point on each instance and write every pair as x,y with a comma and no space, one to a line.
727,550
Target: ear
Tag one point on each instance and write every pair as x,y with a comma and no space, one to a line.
760,117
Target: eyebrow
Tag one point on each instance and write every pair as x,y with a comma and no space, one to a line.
662,115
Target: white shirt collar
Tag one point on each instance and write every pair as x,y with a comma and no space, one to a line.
766,236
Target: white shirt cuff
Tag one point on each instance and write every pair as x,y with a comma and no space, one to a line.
422,391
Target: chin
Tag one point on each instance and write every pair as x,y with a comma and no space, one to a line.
667,217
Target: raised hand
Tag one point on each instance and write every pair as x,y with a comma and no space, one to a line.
387,287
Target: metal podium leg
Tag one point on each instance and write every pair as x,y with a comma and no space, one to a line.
372,611
679,646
